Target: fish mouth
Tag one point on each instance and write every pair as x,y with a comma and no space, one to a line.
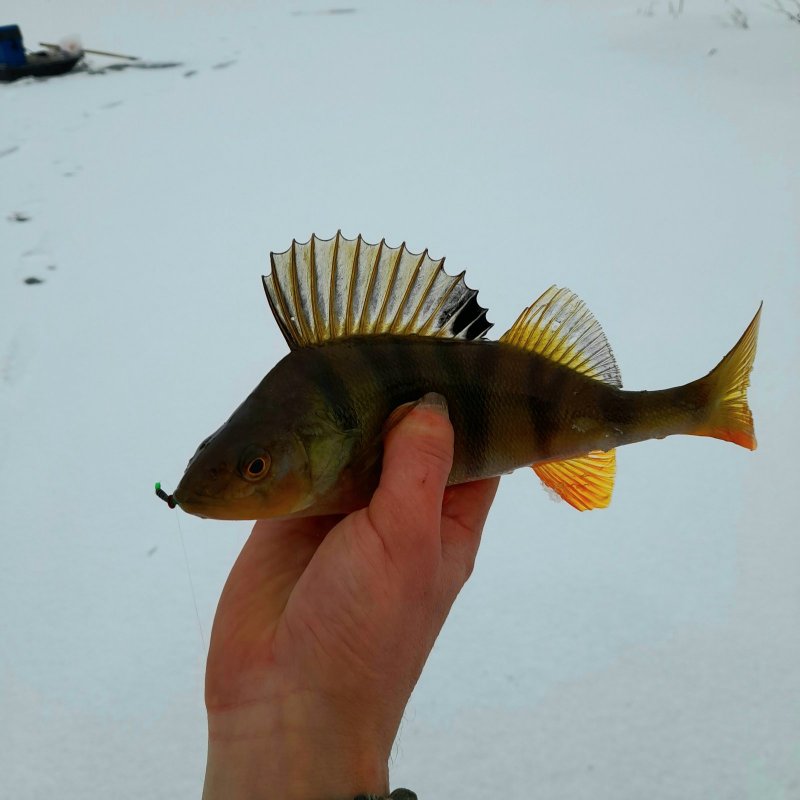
197,506
209,507
189,501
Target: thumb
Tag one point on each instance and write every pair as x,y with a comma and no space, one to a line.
406,508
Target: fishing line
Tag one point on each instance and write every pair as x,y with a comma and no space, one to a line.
170,501
191,582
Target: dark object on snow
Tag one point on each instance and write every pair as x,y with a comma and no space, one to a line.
15,63
32,281
12,53
131,65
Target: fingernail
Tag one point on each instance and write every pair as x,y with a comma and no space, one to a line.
434,402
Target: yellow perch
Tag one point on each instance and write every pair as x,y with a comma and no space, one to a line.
371,328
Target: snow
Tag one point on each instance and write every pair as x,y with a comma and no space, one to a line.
646,160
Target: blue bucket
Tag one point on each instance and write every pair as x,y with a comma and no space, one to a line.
12,53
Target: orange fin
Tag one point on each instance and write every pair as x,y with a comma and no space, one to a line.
585,482
561,328
731,418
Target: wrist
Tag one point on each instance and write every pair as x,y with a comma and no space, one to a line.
292,749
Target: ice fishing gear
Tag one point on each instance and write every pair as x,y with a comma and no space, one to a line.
167,498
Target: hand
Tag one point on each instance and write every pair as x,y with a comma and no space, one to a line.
325,624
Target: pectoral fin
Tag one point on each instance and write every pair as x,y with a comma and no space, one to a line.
329,450
585,482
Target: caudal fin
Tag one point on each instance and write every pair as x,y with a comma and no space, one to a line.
730,418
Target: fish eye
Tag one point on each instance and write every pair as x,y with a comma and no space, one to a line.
255,467
255,464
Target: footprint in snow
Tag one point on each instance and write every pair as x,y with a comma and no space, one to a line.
33,280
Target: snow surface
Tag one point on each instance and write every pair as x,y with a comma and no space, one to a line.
647,160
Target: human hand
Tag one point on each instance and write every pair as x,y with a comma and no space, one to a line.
325,624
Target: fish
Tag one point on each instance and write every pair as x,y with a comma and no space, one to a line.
372,328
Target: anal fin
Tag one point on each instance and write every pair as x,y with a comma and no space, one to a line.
585,482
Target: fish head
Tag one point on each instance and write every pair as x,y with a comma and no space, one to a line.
255,466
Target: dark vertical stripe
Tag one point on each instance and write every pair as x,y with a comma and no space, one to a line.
333,388
617,407
533,379
547,385
446,365
495,370
473,369
387,364
431,367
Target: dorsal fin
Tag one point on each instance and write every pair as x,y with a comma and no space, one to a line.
328,289
560,327
585,482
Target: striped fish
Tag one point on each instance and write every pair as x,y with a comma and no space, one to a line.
372,328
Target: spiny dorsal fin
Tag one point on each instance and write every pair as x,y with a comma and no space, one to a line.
560,327
328,289
585,482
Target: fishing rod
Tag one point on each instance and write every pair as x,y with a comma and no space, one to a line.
93,52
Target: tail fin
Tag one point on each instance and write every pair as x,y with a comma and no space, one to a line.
730,418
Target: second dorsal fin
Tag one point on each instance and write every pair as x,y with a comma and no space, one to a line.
326,289
560,327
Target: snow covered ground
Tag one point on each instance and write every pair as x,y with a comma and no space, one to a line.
645,159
